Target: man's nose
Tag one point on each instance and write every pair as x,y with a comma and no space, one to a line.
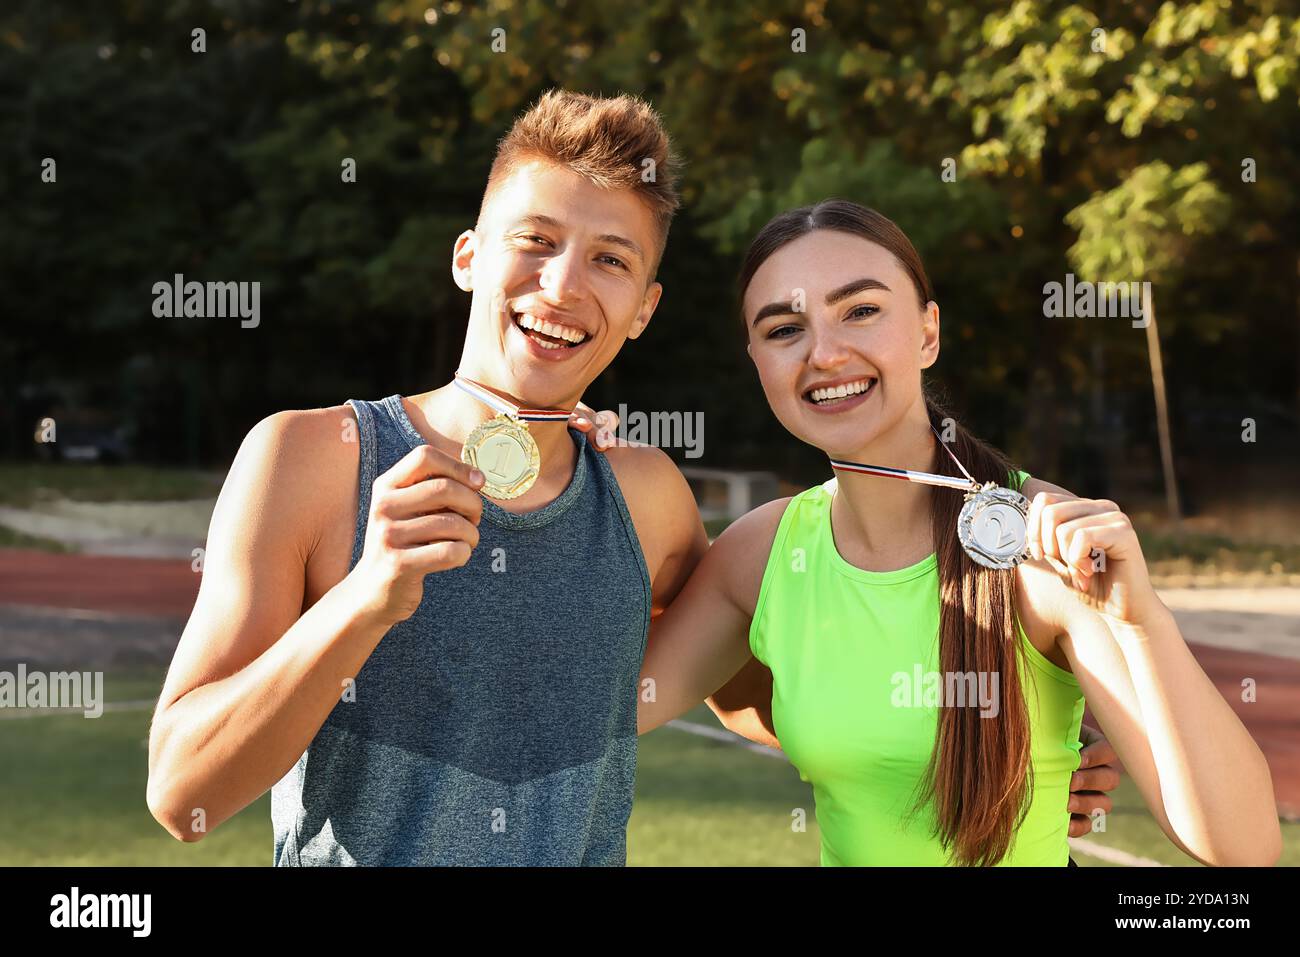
564,276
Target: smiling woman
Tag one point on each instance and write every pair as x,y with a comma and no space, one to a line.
852,585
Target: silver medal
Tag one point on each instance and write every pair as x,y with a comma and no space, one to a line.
993,526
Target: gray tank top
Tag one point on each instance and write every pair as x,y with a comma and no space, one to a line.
496,725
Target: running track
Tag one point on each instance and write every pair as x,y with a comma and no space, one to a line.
165,589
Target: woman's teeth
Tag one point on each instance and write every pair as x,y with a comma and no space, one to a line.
559,337
836,393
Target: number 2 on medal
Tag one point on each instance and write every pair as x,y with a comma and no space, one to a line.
1004,536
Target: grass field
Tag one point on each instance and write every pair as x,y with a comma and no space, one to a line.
76,797
26,484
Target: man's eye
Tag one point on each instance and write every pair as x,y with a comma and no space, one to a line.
863,312
539,239
615,260
782,332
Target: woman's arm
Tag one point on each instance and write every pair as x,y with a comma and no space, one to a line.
702,639
1201,774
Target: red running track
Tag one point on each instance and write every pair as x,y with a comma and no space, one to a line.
167,588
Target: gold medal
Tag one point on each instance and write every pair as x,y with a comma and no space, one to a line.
501,448
506,454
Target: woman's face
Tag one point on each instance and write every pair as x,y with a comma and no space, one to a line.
839,338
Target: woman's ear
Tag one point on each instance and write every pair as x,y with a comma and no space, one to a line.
462,259
749,349
929,334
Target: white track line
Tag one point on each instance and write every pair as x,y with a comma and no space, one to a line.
15,713
1112,855
726,737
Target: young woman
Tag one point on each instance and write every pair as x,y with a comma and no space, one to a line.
860,599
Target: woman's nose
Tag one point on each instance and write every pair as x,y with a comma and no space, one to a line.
828,351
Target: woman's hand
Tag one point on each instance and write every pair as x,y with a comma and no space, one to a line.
601,426
1092,544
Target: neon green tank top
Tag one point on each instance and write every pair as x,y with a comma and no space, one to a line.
850,651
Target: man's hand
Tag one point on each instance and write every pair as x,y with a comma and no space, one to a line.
424,515
1096,775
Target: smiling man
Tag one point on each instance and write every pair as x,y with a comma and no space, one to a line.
419,673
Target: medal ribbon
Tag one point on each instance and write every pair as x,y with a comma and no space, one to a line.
495,402
908,475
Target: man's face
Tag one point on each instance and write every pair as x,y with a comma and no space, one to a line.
559,269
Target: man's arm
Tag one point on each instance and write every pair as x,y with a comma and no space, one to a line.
744,704
254,678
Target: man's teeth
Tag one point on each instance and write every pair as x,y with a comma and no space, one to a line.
567,333
841,391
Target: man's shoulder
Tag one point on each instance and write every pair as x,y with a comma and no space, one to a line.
659,501
305,438
641,469
302,457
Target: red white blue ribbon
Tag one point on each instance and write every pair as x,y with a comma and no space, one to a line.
495,402
908,475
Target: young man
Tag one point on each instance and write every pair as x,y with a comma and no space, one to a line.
420,674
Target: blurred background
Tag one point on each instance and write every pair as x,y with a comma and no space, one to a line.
1014,143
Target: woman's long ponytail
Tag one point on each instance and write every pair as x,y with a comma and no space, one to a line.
979,776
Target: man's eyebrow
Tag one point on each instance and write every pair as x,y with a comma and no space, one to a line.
832,297
622,242
538,219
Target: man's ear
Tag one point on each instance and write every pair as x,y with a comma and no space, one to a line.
648,305
462,259
930,334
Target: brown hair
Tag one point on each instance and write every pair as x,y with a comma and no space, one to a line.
979,777
606,139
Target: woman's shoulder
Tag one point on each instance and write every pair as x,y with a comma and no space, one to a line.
740,553
755,528
1030,486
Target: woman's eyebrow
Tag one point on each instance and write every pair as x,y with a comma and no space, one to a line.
851,288
835,295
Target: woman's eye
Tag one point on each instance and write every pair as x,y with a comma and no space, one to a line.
863,312
782,332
